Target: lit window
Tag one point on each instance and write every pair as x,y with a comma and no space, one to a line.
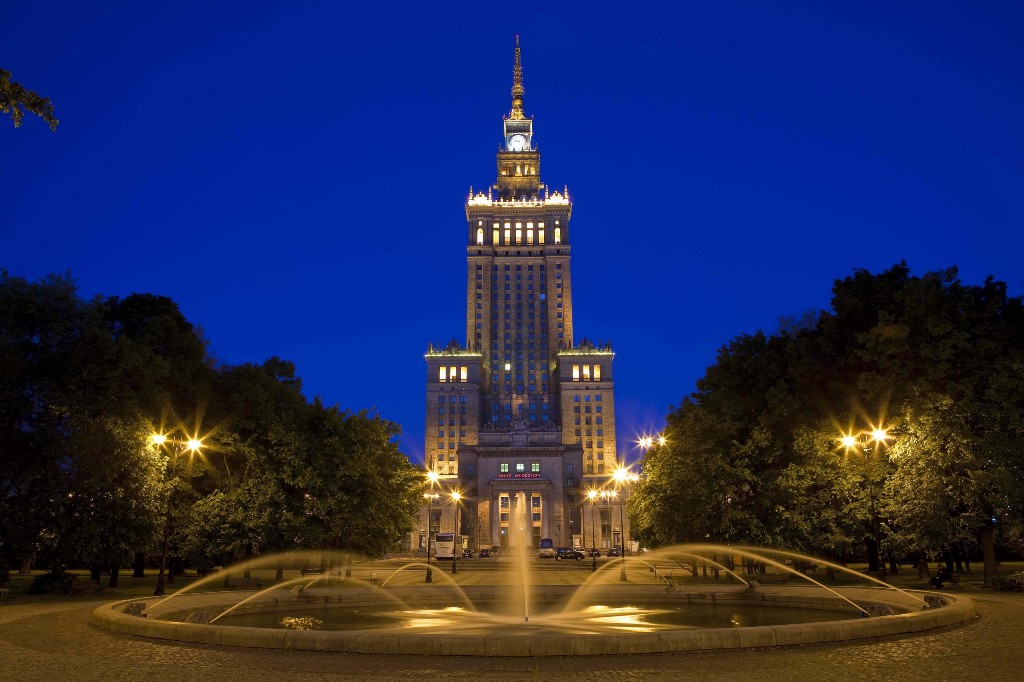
480,236
575,373
558,235
520,467
463,374
529,235
519,233
540,234
495,237
535,467
444,375
597,372
586,372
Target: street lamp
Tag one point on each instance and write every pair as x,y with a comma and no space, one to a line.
191,445
862,442
430,496
592,495
456,497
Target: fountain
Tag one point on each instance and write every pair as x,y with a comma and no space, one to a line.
520,606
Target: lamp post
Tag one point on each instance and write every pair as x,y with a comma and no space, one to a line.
592,495
862,442
623,477
456,497
191,445
430,496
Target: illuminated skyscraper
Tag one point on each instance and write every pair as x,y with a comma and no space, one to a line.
523,413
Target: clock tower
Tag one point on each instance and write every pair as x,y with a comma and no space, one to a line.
522,414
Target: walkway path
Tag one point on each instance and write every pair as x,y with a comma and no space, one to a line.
47,642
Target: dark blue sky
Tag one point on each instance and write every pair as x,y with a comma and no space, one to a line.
294,174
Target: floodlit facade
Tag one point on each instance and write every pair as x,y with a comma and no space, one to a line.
523,413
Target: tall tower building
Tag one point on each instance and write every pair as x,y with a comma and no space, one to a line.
522,413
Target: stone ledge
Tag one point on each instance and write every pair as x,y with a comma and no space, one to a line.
958,610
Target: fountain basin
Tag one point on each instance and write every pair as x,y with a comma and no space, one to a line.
507,639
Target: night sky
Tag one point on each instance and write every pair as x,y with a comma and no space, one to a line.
294,174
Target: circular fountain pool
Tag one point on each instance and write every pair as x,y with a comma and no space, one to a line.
563,611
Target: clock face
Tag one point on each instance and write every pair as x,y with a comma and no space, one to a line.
517,143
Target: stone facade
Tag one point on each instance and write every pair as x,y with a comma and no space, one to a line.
522,417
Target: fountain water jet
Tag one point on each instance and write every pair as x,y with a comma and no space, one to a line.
597,614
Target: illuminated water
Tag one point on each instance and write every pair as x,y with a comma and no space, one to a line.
598,619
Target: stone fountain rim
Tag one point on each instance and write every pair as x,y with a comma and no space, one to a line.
957,610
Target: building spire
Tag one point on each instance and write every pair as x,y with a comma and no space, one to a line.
517,87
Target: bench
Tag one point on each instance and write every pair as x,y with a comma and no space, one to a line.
90,586
245,583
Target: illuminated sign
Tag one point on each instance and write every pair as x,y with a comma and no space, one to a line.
518,475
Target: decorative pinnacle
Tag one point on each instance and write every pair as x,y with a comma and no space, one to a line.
517,87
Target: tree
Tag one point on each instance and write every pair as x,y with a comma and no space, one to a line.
15,100
752,453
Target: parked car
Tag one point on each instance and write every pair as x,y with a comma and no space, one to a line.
547,549
594,551
614,551
568,553
485,554
467,554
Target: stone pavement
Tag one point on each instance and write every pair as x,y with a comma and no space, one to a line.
55,642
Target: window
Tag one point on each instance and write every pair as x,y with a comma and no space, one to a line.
558,235
535,502
597,372
575,373
520,467
535,467
463,371
443,377
503,467
480,236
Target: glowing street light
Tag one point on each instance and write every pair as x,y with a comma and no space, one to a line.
862,442
592,496
191,445
456,497
430,496
623,477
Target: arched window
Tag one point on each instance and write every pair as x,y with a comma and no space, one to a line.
558,235
480,236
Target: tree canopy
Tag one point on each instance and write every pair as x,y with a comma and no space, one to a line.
87,383
755,455
15,100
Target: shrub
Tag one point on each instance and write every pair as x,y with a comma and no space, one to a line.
52,583
1015,581
1010,583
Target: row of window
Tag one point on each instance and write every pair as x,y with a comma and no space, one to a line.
497,233
447,374
586,372
519,267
